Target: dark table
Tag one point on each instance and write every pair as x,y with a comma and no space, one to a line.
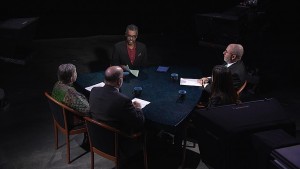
165,108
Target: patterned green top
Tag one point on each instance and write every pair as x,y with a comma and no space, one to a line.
68,95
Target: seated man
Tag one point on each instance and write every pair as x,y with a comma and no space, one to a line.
116,109
130,52
232,57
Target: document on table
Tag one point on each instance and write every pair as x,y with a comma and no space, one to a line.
191,82
133,72
142,102
101,84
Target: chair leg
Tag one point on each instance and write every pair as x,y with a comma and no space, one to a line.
117,164
68,148
145,152
55,136
92,158
183,153
184,147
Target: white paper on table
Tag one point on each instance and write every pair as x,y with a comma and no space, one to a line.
191,82
134,72
101,84
142,102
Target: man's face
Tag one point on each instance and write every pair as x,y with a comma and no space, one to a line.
131,37
228,55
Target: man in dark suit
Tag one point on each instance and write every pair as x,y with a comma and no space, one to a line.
130,52
116,109
233,60
109,105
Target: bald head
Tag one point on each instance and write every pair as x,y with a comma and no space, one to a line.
237,49
112,76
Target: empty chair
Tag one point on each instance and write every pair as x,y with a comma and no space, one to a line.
104,141
67,120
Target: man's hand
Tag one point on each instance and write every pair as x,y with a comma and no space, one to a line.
203,81
125,68
137,105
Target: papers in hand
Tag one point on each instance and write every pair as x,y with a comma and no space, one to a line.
162,69
191,82
95,85
142,102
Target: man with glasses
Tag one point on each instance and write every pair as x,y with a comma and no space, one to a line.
130,52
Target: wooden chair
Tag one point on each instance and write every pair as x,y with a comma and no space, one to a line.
104,141
242,87
67,120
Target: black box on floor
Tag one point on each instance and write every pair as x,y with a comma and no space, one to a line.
265,142
16,35
224,133
286,158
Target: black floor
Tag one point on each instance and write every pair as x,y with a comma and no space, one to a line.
27,139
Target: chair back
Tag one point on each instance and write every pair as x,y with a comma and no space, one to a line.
103,138
66,120
242,87
61,113
104,141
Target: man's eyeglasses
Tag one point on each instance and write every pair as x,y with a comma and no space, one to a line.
131,36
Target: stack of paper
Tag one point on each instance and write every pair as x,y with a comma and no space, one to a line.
189,82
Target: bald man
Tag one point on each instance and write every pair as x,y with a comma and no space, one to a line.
233,60
109,105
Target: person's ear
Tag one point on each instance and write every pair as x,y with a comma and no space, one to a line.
120,81
72,79
233,57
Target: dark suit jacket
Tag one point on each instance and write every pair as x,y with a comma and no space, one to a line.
109,105
120,55
239,74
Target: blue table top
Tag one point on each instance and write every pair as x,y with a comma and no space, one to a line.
158,88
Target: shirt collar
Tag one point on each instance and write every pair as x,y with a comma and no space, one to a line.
229,64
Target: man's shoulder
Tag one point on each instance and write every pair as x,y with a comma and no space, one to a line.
121,43
96,90
141,44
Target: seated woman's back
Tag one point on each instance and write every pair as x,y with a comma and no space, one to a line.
222,89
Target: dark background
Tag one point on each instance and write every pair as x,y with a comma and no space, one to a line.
269,33
71,18
83,32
